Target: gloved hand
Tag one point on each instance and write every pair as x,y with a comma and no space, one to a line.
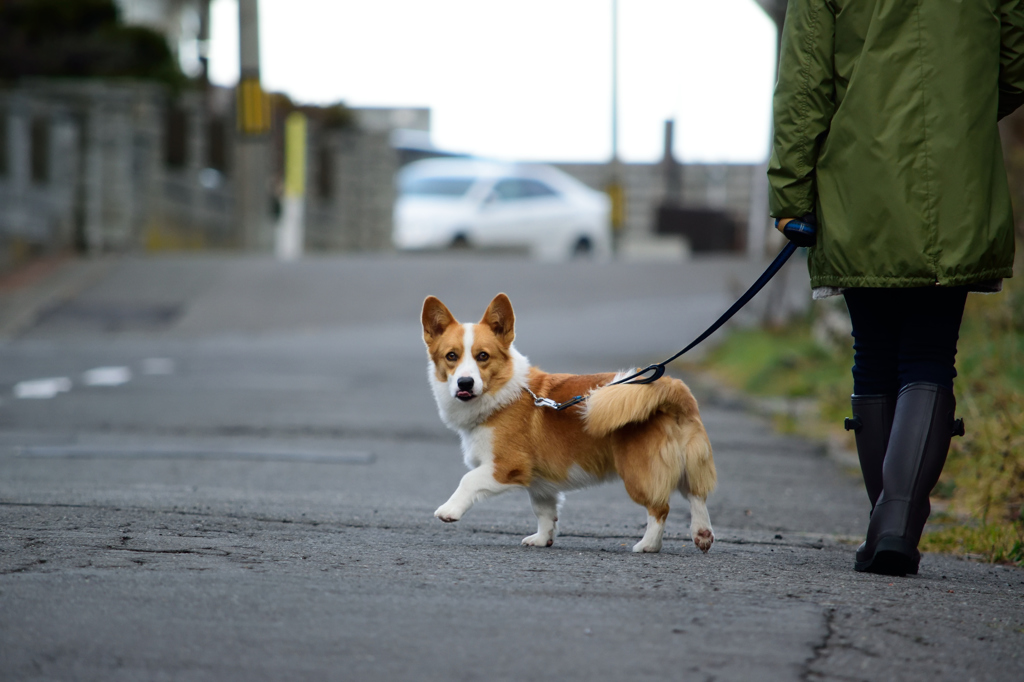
800,231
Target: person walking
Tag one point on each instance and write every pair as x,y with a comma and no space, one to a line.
885,137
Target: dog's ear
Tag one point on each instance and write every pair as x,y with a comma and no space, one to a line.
500,318
436,319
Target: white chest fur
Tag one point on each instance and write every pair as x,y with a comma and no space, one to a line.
477,446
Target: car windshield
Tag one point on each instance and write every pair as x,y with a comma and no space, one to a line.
510,189
437,187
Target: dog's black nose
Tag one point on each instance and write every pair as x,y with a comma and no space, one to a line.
465,383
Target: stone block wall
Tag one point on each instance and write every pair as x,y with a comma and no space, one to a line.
352,208
725,187
81,163
111,167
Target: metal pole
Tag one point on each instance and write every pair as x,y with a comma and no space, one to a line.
615,189
671,169
252,151
615,80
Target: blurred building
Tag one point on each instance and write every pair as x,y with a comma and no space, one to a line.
113,166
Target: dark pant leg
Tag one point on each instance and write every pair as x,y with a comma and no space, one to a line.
902,336
929,334
874,315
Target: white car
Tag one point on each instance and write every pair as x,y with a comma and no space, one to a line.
467,202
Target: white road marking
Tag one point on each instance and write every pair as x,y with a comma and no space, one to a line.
195,452
158,366
107,376
42,389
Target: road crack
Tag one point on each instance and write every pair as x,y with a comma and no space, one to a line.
201,551
818,652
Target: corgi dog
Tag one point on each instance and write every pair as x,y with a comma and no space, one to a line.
649,435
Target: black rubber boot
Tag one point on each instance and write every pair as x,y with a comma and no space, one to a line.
871,424
922,427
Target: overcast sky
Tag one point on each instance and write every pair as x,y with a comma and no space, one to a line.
529,79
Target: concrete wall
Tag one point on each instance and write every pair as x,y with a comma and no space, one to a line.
82,160
352,208
351,180
386,119
38,170
721,186
194,206
128,166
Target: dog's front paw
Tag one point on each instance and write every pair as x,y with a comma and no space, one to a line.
647,546
448,513
703,539
539,540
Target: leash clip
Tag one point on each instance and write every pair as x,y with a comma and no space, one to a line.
548,402
545,402
541,402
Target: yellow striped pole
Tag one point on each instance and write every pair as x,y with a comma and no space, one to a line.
290,234
253,107
295,155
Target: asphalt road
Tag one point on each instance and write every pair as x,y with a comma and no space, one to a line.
255,501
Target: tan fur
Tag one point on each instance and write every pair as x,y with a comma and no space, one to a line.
669,403
650,435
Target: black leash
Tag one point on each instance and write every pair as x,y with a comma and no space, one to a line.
800,233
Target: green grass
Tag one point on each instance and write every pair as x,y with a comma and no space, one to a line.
979,500
787,362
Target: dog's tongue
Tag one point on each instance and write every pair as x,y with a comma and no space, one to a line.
463,394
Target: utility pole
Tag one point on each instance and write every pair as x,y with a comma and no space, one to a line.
252,148
615,189
672,170
615,81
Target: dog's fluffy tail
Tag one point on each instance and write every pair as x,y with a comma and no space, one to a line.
610,408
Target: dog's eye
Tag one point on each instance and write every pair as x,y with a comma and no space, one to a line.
452,357
482,356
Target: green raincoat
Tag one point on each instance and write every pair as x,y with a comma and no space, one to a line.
885,126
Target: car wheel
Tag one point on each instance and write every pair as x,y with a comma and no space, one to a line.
583,248
460,241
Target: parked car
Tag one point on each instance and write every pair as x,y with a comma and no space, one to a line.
458,202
